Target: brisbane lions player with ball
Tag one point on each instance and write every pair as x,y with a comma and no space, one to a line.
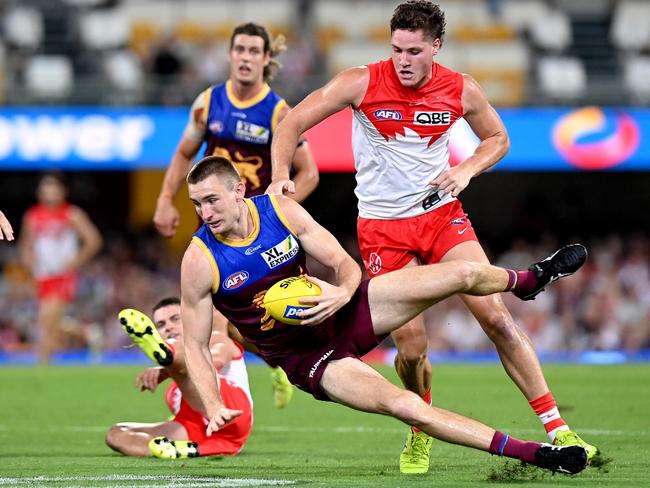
266,239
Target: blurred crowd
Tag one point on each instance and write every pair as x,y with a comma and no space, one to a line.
165,51
605,306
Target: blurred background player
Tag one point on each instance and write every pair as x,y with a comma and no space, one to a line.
56,240
6,231
408,212
236,120
184,436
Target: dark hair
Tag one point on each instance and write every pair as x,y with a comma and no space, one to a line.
419,14
165,302
272,47
219,166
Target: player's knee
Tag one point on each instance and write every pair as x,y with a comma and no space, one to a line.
403,406
112,437
500,328
465,274
411,356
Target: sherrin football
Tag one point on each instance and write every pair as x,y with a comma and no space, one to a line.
282,300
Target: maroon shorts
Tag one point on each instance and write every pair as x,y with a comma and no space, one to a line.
388,245
349,335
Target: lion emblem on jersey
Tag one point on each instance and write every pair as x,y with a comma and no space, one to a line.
246,166
267,322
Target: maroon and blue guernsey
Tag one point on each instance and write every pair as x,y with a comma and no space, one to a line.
242,131
245,269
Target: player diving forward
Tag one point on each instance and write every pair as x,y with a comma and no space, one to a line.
267,238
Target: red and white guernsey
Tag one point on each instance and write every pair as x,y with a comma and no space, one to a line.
55,240
399,139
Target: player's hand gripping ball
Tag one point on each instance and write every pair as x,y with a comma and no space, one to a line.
282,300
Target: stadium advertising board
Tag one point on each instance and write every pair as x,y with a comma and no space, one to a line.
542,139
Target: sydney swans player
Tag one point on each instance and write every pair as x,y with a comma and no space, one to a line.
403,108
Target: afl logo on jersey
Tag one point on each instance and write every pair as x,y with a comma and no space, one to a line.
387,114
235,280
215,126
432,118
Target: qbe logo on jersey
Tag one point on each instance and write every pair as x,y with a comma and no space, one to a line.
251,132
281,253
432,118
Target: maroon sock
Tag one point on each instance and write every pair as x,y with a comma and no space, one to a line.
521,280
504,445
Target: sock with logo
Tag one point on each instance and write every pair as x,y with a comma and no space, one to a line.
548,413
504,445
427,398
521,280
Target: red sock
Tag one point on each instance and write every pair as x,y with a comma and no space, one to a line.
427,398
504,445
546,409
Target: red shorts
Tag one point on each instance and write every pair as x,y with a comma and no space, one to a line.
63,287
387,245
228,440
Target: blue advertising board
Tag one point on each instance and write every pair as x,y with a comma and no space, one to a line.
542,139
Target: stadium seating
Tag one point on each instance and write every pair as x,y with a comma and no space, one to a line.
49,77
630,29
636,74
562,78
495,41
23,27
104,29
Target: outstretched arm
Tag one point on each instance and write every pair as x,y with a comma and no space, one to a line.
487,125
196,313
305,178
166,218
6,231
91,239
347,88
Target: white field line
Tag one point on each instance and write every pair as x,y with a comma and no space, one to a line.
133,480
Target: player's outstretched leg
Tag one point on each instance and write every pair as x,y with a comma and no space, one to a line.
162,447
563,262
144,333
282,387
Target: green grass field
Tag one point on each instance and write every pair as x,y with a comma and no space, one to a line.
54,419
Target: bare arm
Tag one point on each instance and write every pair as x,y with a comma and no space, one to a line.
26,244
196,314
6,231
487,125
347,88
166,217
320,244
306,175
91,239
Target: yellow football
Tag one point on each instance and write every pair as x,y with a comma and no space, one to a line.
282,300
